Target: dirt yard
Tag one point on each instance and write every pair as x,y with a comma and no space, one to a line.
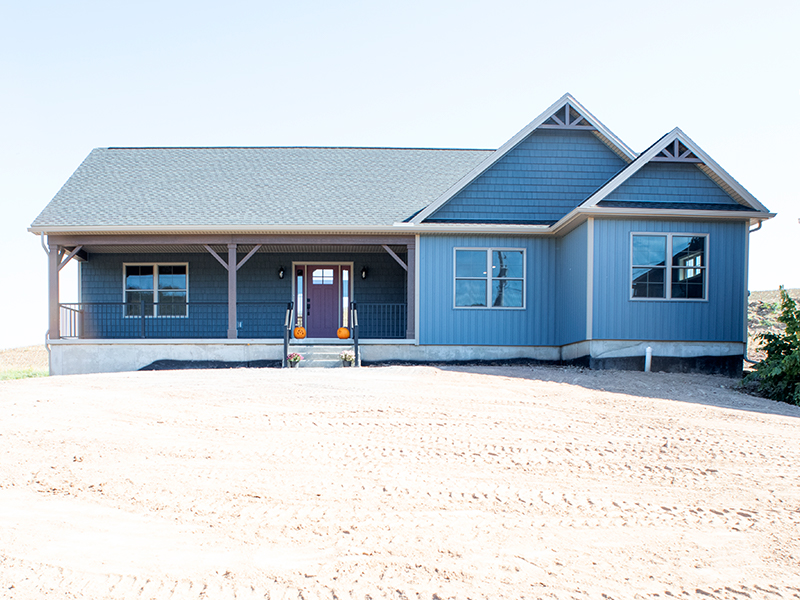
397,482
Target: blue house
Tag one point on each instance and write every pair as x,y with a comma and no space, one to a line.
563,245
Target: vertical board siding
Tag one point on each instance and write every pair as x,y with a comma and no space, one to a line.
441,323
571,273
257,281
542,179
719,318
674,183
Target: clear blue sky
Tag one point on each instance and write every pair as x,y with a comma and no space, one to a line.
81,75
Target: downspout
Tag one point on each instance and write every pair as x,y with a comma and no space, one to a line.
747,294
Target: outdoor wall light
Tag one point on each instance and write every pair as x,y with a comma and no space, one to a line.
363,272
281,272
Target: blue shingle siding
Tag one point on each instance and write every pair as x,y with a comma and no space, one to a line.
441,323
571,272
542,179
719,319
261,294
673,184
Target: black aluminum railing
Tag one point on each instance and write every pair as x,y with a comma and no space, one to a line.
354,323
195,320
287,333
189,320
382,321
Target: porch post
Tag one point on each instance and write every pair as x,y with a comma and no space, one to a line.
53,262
411,287
232,333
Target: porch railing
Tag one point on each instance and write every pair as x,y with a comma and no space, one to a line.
354,322
382,321
287,333
195,320
191,320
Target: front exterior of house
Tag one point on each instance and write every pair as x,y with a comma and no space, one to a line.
563,245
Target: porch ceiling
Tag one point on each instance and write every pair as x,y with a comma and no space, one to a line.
244,248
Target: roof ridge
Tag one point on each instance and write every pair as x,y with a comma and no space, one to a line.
294,148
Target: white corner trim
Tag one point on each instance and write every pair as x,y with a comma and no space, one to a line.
417,265
485,164
589,277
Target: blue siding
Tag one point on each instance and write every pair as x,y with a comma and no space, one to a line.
674,183
542,179
571,258
720,318
440,323
258,282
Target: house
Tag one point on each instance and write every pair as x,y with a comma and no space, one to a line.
563,245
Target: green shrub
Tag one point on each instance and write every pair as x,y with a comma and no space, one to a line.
778,375
22,373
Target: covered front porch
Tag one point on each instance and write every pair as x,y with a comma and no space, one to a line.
248,288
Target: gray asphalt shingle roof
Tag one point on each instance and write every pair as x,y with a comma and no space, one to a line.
217,187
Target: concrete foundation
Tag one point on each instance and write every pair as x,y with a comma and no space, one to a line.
68,357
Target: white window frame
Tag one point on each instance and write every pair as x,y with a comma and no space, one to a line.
155,266
489,278
668,268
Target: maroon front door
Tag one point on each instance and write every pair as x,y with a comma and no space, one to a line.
323,300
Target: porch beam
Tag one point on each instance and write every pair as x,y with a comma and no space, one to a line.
217,256
232,333
394,256
249,254
74,251
191,239
54,310
411,291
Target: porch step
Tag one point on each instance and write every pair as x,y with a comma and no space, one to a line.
319,356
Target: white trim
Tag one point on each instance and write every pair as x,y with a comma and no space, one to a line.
487,163
589,278
653,151
417,263
489,278
155,290
668,266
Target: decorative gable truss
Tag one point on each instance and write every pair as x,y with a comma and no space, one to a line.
565,114
676,152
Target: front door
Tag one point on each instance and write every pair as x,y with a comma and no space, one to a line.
323,300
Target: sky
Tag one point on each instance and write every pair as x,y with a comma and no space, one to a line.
443,74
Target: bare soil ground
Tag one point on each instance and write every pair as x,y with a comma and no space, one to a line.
397,482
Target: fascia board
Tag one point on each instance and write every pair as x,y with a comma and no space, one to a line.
581,213
236,229
512,143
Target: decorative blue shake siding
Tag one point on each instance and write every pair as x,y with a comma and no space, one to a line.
541,180
720,318
262,296
675,184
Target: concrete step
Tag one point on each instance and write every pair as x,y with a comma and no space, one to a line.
319,356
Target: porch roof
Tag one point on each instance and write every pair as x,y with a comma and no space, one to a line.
206,188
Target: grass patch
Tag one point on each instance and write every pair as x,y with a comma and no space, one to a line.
22,374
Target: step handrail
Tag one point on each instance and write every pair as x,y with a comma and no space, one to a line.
354,321
287,325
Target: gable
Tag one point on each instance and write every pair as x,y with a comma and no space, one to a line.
671,185
540,180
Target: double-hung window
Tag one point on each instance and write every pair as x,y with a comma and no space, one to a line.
669,266
489,278
161,290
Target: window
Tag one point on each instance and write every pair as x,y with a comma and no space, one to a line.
489,278
669,266
160,289
322,276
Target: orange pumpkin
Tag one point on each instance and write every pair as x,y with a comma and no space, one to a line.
343,333
299,332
